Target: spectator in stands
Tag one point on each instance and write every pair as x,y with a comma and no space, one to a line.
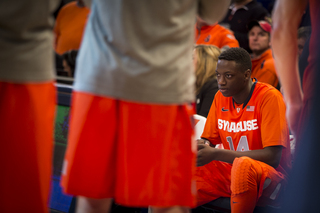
69,26
214,35
205,60
69,61
262,61
240,13
306,18
303,59
303,49
268,4
303,34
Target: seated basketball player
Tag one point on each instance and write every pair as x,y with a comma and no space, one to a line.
248,118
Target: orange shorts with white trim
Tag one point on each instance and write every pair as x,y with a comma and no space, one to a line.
138,154
214,181
26,135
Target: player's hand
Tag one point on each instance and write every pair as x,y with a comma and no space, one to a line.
205,154
203,141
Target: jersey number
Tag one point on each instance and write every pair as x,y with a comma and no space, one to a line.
242,145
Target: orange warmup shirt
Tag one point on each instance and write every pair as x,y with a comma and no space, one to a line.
216,35
69,27
264,70
258,123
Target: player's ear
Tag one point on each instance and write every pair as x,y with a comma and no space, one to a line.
247,74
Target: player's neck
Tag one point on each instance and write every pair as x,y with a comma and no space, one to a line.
242,96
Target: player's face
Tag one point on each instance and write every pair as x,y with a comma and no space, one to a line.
259,40
231,80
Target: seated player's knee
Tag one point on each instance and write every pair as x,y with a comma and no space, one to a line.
242,175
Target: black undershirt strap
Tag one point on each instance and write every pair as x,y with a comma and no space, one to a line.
249,97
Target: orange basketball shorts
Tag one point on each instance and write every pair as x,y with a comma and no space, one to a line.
138,154
214,181
26,135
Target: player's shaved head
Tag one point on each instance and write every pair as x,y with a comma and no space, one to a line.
239,55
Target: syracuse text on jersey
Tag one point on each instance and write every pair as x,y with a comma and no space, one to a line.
241,126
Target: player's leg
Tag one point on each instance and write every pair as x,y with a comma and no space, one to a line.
26,130
245,179
89,205
176,209
213,181
252,182
90,165
156,156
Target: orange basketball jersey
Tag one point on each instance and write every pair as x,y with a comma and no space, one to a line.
257,123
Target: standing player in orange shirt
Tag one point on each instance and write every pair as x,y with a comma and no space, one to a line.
248,118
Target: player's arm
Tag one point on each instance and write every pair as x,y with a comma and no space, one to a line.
212,11
286,19
270,155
